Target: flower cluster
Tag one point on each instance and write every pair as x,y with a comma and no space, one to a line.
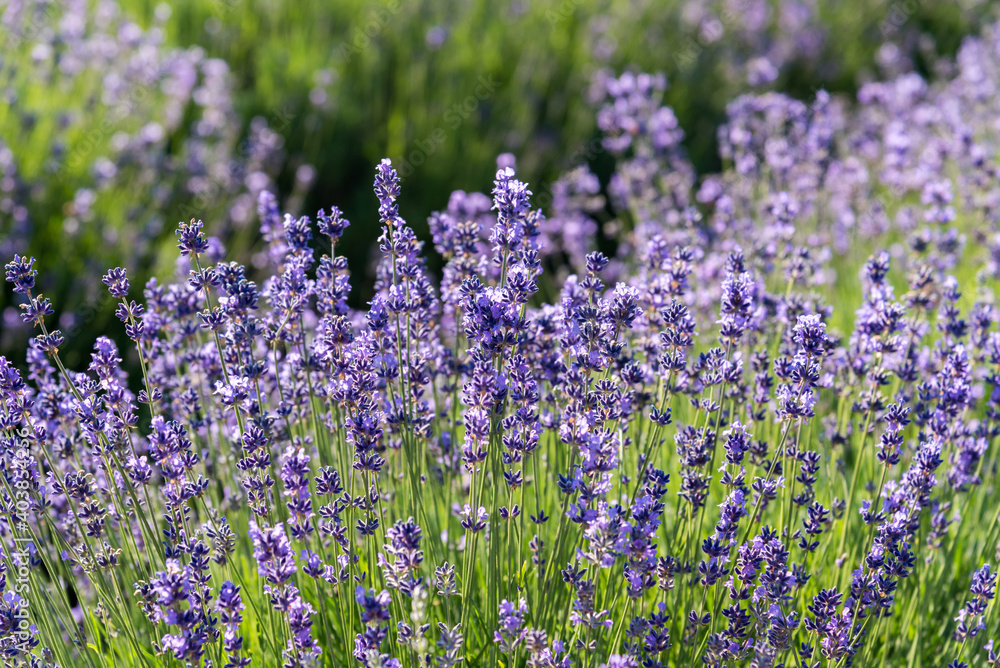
101,105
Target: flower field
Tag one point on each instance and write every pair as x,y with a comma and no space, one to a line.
653,418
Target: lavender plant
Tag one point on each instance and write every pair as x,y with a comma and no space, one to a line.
729,443
95,108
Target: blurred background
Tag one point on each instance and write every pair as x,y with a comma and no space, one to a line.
120,119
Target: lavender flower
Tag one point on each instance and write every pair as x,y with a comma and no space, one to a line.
521,460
